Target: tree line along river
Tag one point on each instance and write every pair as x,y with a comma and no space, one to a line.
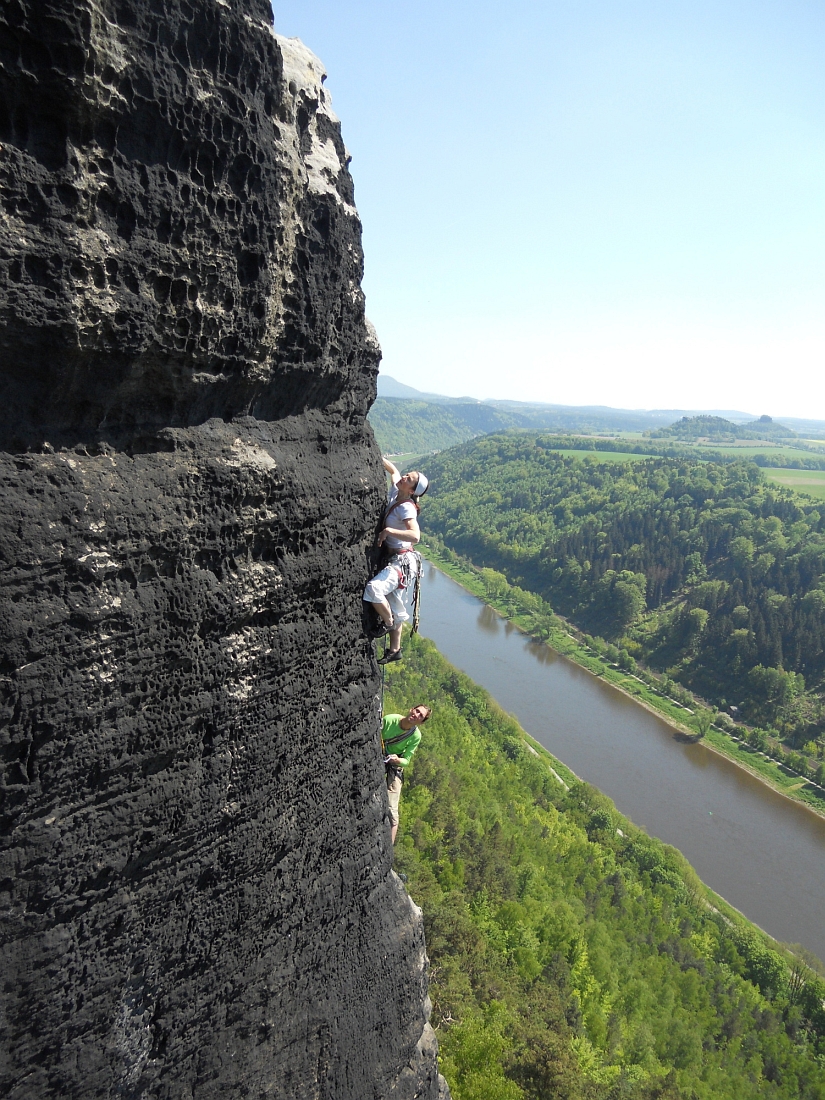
762,852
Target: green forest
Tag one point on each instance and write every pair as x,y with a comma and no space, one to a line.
699,569
402,425
571,955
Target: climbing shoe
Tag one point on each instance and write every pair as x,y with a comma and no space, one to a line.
377,627
390,655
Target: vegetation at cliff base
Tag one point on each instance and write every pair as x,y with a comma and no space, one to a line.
700,569
571,954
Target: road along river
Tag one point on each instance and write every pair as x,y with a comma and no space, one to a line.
764,853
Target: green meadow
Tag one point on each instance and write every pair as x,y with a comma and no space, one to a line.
783,453
599,456
811,482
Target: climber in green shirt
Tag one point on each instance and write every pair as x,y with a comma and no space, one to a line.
400,737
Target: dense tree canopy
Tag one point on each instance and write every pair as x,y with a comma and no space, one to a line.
699,567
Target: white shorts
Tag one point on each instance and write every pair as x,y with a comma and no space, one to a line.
385,586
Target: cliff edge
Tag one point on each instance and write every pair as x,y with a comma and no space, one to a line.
196,891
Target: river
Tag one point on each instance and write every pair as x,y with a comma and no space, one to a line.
762,852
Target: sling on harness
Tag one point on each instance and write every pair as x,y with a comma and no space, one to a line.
416,600
397,740
392,770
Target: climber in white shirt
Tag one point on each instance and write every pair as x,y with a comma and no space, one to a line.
392,590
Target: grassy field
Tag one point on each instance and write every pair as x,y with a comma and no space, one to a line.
752,448
811,482
409,461
600,456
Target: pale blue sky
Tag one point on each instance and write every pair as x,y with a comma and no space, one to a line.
588,201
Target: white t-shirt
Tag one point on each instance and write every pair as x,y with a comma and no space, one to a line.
395,518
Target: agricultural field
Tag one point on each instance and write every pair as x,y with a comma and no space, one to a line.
811,482
408,459
782,452
599,456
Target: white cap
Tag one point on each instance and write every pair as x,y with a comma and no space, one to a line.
421,487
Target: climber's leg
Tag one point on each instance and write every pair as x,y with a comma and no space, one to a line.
394,797
400,616
379,588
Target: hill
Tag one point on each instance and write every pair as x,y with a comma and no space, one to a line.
717,429
391,387
767,428
572,956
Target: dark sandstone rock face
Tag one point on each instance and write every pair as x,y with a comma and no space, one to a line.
178,238
195,882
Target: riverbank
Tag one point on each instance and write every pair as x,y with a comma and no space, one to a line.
533,617
536,891
713,900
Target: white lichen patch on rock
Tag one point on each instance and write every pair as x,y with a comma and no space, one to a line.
245,454
97,561
243,647
254,585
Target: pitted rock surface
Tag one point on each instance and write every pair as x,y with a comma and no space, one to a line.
178,238
195,883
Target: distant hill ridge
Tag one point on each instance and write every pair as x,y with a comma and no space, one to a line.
391,387
405,419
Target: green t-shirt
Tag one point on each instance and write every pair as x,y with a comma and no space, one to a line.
390,729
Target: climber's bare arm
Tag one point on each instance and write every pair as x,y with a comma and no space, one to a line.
391,470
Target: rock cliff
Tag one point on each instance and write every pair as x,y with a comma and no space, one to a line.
195,876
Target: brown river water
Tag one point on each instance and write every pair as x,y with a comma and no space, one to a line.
762,852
